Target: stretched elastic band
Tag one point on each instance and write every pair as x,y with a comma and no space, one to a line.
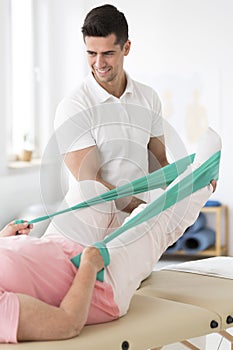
196,180
158,179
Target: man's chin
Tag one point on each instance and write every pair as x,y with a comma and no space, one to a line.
102,78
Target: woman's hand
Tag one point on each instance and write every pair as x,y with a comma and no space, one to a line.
11,229
91,255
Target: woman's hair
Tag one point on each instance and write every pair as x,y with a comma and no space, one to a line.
105,20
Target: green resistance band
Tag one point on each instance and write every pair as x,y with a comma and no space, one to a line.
101,246
160,178
196,180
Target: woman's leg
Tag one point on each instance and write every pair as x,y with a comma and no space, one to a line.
135,252
87,225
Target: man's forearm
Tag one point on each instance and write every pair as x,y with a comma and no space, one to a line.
126,204
85,165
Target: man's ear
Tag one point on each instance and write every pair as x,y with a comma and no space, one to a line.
126,48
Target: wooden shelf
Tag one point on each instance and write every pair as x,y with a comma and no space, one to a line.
221,220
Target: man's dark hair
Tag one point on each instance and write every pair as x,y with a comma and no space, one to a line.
105,20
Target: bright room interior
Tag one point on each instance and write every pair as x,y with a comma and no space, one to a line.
182,48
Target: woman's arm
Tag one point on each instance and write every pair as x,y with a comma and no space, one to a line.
40,321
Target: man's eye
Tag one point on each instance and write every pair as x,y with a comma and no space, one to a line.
92,54
109,53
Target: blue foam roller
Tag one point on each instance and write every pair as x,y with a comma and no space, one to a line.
175,246
198,241
199,224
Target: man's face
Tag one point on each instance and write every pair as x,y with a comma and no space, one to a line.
106,58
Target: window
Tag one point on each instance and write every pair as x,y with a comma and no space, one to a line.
22,123
44,66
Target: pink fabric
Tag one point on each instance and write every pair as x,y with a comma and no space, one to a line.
9,310
42,268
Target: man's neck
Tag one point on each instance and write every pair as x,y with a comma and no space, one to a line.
116,87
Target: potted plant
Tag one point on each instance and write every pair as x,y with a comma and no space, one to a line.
26,153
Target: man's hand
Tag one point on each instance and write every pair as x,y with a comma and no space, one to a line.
128,204
214,184
11,229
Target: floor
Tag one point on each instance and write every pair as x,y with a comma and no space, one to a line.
211,342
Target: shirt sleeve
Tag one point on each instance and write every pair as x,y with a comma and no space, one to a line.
75,132
157,120
9,311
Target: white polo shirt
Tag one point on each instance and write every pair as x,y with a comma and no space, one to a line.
120,127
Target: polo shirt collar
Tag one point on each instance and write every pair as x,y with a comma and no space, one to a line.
101,94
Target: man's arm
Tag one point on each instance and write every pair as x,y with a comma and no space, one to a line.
157,153
84,164
41,321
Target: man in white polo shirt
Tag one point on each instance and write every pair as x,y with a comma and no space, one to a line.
108,126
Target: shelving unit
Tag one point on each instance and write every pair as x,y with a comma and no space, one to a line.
222,233
221,218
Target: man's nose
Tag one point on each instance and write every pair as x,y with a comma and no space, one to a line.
100,62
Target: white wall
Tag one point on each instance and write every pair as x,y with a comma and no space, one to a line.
17,192
4,74
168,36
59,59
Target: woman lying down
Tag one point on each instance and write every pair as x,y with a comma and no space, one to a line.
43,296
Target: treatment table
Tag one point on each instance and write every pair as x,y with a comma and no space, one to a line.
175,304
